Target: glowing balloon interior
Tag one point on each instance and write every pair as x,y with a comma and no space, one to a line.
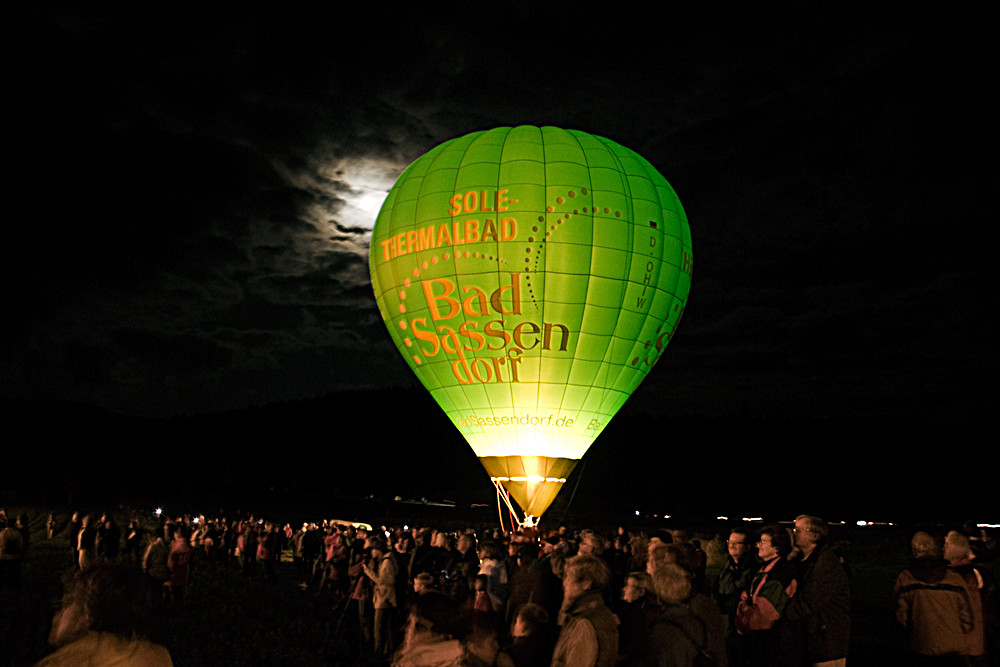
531,277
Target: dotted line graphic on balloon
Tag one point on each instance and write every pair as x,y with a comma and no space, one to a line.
659,348
424,266
550,225
533,257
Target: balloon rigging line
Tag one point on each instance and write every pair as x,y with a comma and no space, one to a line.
502,493
575,487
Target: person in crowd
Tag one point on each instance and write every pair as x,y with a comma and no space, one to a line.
492,567
336,554
694,558
735,575
403,549
154,565
210,540
50,526
932,603
981,587
678,553
268,551
422,559
75,526
657,555
423,583
676,636
382,570
590,543
179,563
435,631
103,620
819,614
133,541
23,524
109,537
86,546
589,634
764,600
11,553
312,547
636,611
464,567
532,641
404,546
699,602
525,581
638,549
658,538
479,603
444,553
481,646
246,546
621,559
298,561
733,579
362,590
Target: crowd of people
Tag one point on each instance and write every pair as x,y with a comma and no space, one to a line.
776,595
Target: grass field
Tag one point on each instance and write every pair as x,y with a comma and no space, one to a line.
229,619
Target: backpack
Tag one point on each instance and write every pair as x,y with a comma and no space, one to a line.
703,657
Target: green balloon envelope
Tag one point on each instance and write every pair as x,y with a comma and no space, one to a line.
531,278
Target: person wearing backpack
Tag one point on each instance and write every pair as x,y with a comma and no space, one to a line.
677,637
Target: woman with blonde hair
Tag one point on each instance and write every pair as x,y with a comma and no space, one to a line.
676,636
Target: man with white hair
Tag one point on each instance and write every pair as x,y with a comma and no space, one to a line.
979,584
932,604
819,614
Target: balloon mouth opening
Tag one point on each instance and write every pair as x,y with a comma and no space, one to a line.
530,479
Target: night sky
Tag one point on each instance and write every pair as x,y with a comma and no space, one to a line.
191,193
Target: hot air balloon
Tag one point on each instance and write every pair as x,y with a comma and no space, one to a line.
531,278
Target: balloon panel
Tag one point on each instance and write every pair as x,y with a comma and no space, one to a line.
531,277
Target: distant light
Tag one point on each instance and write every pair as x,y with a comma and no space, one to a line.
753,518
862,523
637,512
722,518
158,511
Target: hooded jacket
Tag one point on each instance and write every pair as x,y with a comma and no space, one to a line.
933,605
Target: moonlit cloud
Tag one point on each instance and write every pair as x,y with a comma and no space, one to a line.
202,186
